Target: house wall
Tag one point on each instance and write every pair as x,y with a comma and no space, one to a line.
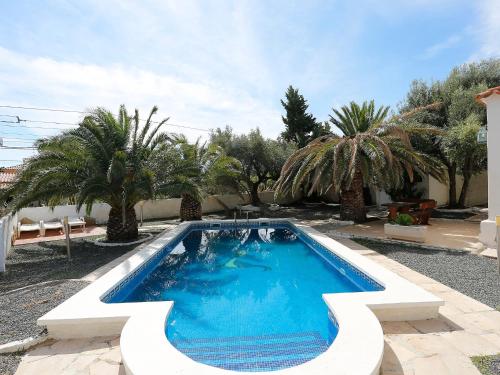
477,194
488,227
155,209
433,189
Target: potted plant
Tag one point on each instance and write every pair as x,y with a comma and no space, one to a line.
404,228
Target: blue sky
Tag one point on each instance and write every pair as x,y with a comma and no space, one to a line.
215,63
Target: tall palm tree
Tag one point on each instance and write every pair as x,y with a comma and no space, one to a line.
196,169
106,159
371,152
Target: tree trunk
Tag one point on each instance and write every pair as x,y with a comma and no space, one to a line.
190,208
465,187
352,204
117,230
254,194
452,193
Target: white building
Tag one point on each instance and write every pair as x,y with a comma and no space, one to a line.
491,98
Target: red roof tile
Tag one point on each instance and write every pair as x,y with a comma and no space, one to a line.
7,176
484,95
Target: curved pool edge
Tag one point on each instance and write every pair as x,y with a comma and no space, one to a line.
357,349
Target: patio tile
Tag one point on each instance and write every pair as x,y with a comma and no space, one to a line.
433,326
398,351
430,344
470,344
105,368
444,365
432,364
394,358
462,302
82,356
114,356
398,328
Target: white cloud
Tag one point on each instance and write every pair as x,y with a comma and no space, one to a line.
48,82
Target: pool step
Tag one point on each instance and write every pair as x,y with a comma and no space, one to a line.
254,353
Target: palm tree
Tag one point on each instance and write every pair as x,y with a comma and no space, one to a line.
196,169
372,152
106,159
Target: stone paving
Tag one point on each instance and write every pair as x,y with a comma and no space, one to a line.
464,328
441,346
450,234
99,356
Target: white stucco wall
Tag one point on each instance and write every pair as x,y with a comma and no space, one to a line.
477,194
488,227
156,209
433,189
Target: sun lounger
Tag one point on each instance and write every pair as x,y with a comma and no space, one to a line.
54,224
27,225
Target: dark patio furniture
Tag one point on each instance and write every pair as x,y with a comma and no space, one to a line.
423,212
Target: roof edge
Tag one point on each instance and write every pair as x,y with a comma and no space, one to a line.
494,90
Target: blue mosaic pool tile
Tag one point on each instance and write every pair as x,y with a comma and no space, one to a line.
255,353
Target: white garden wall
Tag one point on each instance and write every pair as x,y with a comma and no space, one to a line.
433,189
156,209
477,194
6,230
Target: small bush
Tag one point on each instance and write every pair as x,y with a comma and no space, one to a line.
404,219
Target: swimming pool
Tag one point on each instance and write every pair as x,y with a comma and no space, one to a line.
157,336
247,298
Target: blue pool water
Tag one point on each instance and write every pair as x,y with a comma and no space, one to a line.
248,299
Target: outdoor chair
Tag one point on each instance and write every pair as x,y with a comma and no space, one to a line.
76,222
28,225
423,213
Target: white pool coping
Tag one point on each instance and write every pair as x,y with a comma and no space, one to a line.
357,349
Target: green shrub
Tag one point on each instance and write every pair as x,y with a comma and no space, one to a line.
404,219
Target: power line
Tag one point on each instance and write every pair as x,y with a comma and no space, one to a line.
19,125
9,140
86,112
20,139
42,109
17,148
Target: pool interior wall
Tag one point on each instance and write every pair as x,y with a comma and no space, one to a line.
246,298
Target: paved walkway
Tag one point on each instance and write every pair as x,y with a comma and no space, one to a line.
440,346
452,234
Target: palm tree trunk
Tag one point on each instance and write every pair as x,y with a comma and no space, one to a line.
190,208
352,204
117,230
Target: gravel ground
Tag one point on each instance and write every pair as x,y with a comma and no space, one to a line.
36,263
487,364
22,307
9,362
450,214
472,275
38,278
